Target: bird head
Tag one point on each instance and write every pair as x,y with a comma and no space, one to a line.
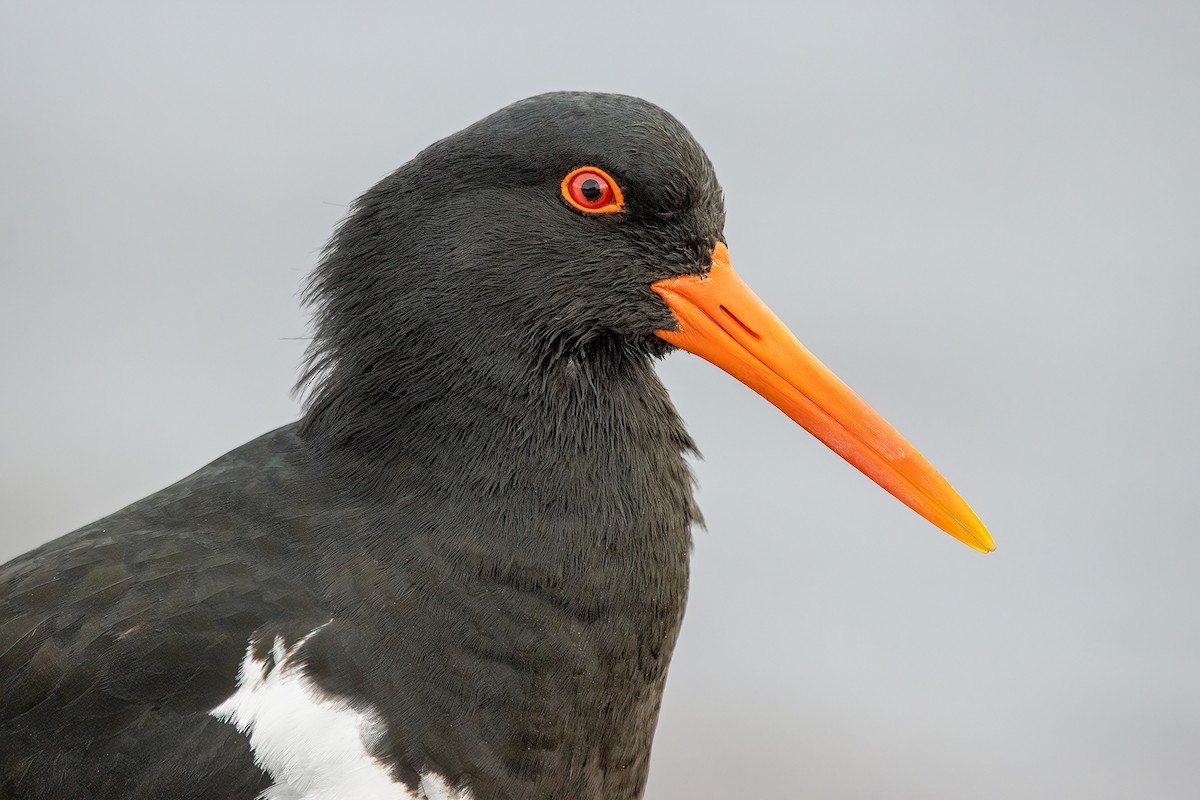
558,225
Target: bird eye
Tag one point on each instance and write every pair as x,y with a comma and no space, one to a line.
592,190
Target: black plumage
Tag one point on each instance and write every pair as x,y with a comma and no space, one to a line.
486,502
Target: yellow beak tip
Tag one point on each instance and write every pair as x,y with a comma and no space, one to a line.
980,540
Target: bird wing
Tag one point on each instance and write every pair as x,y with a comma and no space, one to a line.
116,641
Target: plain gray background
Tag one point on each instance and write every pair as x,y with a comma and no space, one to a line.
985,217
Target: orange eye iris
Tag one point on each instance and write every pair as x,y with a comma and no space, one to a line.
591,189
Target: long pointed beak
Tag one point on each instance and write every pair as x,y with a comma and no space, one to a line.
723,321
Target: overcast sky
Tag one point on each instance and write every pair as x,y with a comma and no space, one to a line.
985,217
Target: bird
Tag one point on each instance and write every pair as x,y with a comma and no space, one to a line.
461,572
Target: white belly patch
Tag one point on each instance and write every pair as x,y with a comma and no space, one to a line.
314,746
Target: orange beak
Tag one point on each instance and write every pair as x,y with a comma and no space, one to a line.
723,322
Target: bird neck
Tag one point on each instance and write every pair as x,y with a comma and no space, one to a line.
552,500
560,431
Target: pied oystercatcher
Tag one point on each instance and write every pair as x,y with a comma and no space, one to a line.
462,572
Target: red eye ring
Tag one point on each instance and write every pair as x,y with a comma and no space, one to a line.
592,190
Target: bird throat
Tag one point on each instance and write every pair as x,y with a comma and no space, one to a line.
568,429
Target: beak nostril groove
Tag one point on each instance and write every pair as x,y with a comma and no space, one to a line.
741,324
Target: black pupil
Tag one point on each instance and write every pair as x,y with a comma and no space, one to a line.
591,190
